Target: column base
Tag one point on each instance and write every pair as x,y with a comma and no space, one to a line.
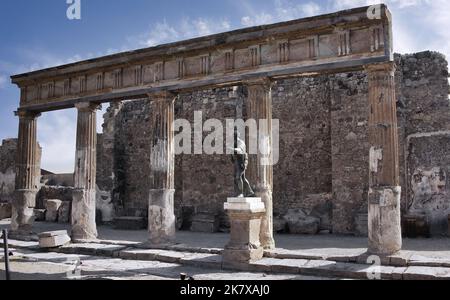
84,228
22,212
385,236
231,256
161,217
266,235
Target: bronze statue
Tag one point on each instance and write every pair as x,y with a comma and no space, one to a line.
240,159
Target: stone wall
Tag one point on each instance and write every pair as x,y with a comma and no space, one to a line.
303,106
349,148
7,169
323,144
426,144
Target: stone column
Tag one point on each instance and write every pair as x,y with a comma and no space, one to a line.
27,174
161,216
259,108
83,203
384,188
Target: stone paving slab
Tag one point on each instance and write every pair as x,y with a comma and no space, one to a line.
202,260
426,273
138,254
174,254
148,259
422,261
31,245
90,249
288,266
344,255
171,256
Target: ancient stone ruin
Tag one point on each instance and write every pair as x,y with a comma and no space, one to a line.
364,134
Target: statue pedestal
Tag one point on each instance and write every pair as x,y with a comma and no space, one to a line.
245,222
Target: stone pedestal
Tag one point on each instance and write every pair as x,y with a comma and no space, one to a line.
23,211
385,236
83,223
245,225
161,217
384,184
53,239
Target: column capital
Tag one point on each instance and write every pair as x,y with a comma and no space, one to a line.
260,81
162,96
381,67
87,106
27,114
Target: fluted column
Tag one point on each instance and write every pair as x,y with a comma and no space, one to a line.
161,216
27,173
83,203
384,188
259,108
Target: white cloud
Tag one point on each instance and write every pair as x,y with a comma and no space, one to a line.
56,135
257,19
163,32
418,25
284,10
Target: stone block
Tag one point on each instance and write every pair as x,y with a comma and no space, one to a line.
52,206
362,224
300,223
385,238
39,215
242,255
397,274
288,266
448,225
52,233
205,222
64,212
169,256
5,211
279,225
129,223
200,260
53,239
415,225
426,273
185,219
139,254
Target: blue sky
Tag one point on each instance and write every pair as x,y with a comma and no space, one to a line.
37,34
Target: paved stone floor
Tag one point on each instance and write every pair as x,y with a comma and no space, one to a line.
115,256
314,244
28,265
